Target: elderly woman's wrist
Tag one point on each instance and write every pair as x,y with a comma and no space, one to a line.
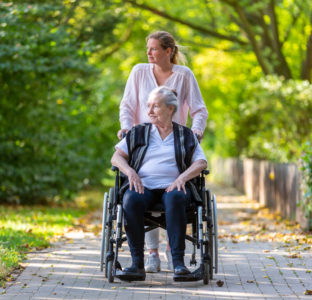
130,172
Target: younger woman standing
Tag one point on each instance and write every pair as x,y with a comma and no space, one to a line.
163,69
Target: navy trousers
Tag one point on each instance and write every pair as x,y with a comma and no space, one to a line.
175,204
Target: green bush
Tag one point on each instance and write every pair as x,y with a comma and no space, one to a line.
306,181
274,119
53,138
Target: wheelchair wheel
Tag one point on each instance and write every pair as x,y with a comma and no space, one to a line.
104,245
110,271
108,232
209,234
215,231
206,273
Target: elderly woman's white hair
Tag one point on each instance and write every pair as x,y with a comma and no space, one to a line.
168,95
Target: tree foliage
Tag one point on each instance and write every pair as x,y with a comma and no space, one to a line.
274,119
278,32
50,146
64,64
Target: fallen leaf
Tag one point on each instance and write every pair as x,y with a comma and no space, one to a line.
220,283
114,288
308,292
294,256
250,281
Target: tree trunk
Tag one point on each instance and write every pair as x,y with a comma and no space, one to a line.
282,67
307,64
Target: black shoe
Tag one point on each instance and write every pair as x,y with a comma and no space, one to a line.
182,273
181,270
132,273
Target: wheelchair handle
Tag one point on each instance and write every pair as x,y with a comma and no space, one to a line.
205,172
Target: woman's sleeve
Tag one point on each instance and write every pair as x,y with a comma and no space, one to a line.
128,105
122,145
197,107
198,154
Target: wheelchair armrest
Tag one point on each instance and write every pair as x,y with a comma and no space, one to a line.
115,169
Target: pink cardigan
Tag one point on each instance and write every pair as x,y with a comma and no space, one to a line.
141,82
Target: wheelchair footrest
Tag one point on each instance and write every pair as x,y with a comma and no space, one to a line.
194,276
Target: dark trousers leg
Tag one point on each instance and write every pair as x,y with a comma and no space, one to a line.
175,204
134,205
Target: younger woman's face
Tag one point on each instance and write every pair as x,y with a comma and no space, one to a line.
155,53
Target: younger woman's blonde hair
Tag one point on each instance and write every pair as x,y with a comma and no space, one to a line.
167,41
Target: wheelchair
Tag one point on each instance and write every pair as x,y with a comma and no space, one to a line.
202,218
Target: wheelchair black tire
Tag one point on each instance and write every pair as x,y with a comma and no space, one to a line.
209,233
110,271
206,273
215,232
211,253
104,245
108,232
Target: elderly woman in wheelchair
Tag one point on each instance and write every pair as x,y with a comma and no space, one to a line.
159,159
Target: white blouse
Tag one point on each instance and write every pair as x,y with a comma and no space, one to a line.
142,81
159,167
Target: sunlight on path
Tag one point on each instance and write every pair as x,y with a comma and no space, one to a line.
260,257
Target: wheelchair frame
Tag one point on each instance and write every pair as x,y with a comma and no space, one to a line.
204,235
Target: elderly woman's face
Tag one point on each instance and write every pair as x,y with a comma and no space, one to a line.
158,112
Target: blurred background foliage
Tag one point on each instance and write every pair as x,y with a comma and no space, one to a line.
64,65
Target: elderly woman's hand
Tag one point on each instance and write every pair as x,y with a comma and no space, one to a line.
193,171
135,181
178,184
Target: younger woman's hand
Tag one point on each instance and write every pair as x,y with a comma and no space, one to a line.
120,132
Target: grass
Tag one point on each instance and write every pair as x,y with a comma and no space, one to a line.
27,228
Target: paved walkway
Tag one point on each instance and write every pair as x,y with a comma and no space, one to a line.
259,258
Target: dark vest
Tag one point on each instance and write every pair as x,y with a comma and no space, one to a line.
184,145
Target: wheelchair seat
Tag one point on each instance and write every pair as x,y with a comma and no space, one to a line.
157,207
